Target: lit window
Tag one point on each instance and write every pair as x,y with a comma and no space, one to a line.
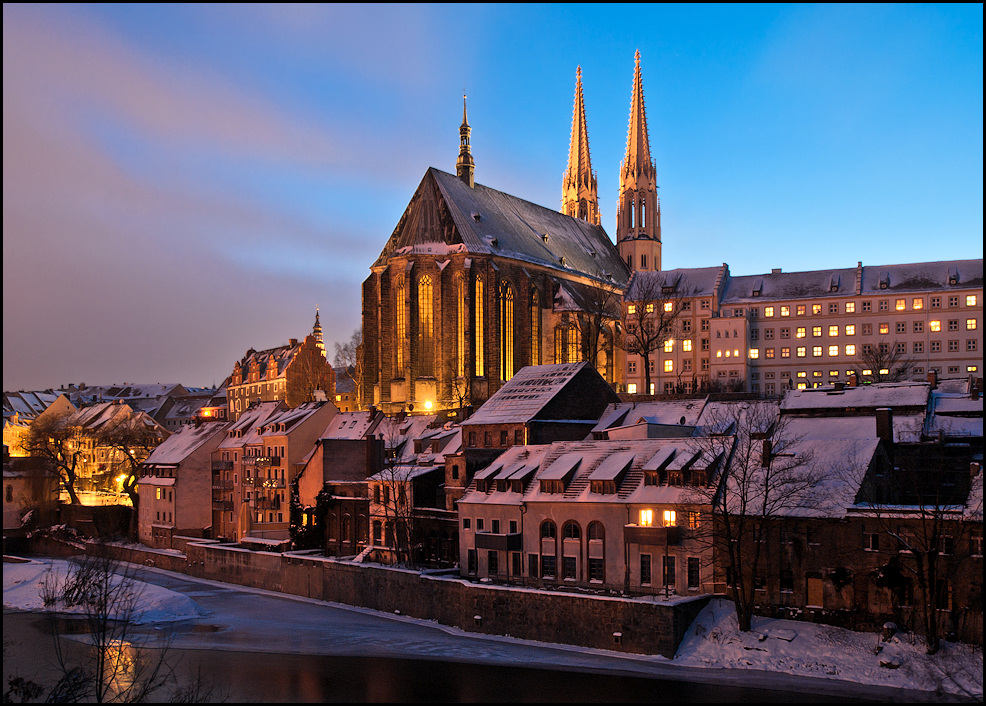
850,307
970,324
669,306
686,345
769,353
802,352
900,305
735,353
867,372
851,349
768,311
884,371
934,325
802,374
816,331
801,332
631,308
632,388
802,385
970,300
669,518
668,366
885,328
649,308
754,352
669,345
801,309
833,373
719,354
646,518
917,304
816,351
850,329
816,309
785,311
834,331
785,352
833,350
971,368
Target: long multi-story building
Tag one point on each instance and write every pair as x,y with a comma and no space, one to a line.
764,333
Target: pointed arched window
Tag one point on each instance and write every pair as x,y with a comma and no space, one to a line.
426,327
535,328
400,327
479,329
460,325
507,333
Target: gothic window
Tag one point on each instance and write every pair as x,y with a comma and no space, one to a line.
573,344
479,329
400,329
460,325
559,344
506,331
426,327
535,328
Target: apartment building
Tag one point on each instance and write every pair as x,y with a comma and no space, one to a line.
798,330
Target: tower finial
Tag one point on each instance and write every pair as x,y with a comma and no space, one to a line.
579,193
464,166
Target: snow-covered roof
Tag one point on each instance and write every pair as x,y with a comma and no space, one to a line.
183,443
28,405
693,282
670,412
896,395
351,425
525,394
908,428
244,429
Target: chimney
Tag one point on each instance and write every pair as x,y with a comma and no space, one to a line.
933,379
853,381
840,386
768,451
885,425
293,342
975,394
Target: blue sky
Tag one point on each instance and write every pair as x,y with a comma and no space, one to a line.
182,183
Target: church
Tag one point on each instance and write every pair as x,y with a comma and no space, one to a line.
474,284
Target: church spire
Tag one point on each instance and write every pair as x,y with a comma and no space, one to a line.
317,333
579,193
638,217
464,166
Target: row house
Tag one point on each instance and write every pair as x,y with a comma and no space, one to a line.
333,499
20,409
795,330
175,486
628,516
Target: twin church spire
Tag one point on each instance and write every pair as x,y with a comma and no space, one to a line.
638,212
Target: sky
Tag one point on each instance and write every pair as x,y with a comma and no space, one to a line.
184,182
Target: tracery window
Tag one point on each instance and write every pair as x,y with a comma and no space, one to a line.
400,329
478,329
426,327
506,331
535,328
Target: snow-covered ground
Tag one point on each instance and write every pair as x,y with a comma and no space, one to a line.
713,642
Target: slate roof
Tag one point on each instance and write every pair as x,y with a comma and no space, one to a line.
182,444
491,222
525,394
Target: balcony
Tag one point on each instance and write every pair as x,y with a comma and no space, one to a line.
222,505
222,485
500,542
222,465
273,503
258,482
653,535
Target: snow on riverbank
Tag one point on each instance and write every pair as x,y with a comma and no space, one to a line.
23,583
712,642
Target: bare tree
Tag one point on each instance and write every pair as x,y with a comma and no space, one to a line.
308,373
765,477
132,438
598,309
54,439
392,498
919,507
884,362
349,355
651,315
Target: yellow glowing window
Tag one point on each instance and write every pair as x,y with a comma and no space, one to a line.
917,304
884,371
632,388
754,352
971,368
934,325
802,374
736,353
867,372
834,331
686,345
816,331
669,518
785,311
816,351
668,306
850,307
646,518
850,329
802,351
801,332
833,373
970,300
768,311
668,366
802,385
719,354
833,350
851,349
970,324
801,309
816,309
649,308
669,345
900,305
631,308
884,328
